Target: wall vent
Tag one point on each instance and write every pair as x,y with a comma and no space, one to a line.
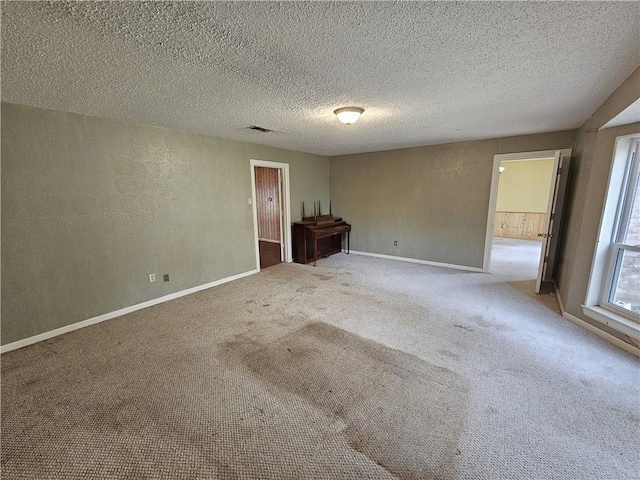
260,129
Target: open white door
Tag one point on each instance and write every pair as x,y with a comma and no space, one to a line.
553,218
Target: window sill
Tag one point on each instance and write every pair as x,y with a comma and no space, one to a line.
617,322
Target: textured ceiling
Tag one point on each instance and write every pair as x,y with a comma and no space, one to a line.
425,72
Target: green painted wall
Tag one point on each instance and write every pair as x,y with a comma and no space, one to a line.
433,200
91,206
524,186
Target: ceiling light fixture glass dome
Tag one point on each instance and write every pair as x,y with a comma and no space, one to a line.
348,115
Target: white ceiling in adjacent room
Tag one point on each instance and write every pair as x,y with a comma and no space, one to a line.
425,72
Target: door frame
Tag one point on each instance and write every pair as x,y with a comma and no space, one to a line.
493,196
286,204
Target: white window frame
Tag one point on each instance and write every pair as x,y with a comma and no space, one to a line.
597,305
623,216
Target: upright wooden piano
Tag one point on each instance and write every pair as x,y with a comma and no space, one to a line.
318,237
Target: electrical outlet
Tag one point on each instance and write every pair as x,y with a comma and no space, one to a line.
165,277
395,243
152,277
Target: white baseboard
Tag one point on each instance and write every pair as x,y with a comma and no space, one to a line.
123,311
601,333
558,298
416,260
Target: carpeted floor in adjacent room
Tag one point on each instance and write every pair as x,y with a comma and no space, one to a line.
358,368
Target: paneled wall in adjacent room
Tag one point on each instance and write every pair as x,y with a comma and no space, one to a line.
523,196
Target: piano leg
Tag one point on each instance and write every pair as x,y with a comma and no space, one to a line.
348,235
315,249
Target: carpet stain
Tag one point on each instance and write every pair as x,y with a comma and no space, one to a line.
447,353
308,290
404,414
464,327
480,321
322,277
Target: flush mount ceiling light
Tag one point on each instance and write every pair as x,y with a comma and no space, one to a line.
348,115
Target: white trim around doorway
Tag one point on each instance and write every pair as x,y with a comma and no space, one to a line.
284,169
493,196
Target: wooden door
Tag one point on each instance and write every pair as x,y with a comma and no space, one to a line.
269,213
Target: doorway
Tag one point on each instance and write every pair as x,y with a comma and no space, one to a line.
271,212
525,213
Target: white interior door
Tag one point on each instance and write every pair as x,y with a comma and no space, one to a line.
554,210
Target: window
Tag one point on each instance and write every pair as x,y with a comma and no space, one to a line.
613,294
621,292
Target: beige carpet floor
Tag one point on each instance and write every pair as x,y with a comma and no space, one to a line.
358,368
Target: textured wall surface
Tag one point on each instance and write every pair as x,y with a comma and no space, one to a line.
592,155
90,207
524,186
433,200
